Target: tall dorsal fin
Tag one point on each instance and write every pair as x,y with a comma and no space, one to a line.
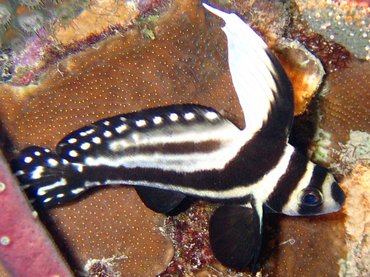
176,137
264,91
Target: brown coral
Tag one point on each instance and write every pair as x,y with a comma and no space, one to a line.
345,109
124,74
113,223
346,104
308,247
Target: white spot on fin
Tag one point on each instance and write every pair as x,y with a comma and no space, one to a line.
211,115
174,117
37,173
72,140
73,153
157,120
85,146
96,140
121,128
27,160
107,134
141,123
189,116
53,162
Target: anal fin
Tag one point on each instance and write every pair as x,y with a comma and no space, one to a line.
158,200
235,235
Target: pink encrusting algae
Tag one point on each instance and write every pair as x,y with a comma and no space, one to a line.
25,247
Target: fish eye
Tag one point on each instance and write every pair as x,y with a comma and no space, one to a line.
311,197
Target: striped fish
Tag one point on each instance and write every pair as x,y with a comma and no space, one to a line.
172,152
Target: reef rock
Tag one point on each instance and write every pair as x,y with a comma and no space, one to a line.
357,223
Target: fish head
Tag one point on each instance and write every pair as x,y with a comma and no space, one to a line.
317,193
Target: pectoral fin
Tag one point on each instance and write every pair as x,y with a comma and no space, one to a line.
160,201
235,235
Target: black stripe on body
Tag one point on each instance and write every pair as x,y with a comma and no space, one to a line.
288,182
175,148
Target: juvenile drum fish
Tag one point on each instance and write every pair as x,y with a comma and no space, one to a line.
172,152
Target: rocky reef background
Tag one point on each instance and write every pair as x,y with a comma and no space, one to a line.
65,64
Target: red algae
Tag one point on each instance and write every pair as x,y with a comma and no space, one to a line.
189,232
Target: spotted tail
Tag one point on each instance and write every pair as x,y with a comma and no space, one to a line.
44,176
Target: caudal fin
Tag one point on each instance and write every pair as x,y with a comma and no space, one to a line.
46,178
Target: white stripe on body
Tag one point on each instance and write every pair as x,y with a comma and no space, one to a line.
260,190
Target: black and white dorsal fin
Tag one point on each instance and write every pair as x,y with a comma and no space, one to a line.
171,138
264,91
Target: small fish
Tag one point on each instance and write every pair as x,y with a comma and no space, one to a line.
172,152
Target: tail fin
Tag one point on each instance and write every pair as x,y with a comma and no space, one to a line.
47,179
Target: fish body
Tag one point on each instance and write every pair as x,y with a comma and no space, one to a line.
172,152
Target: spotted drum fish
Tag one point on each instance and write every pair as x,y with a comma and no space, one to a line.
172,152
